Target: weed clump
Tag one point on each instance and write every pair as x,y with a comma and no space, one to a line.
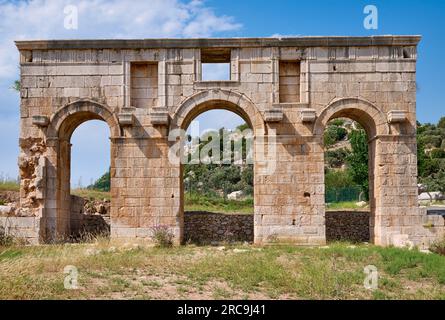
162,236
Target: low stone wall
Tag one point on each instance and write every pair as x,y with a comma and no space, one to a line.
207,227
24,228
347,226
96,224
430,228
76,217
89,217
210,228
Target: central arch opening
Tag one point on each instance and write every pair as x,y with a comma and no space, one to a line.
349,179
217,177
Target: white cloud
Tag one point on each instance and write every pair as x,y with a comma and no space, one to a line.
44,19
280,36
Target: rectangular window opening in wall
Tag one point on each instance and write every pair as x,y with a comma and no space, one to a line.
144,85
289,81
215,64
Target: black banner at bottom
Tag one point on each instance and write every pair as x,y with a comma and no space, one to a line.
174,309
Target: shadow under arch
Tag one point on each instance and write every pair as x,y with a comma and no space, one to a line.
368,115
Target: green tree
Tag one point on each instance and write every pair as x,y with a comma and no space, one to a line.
441,123
436,181
421,158
429,140
333,134
16,85
437,154
336,158
358,160
103,183
337,179
213,179
431,163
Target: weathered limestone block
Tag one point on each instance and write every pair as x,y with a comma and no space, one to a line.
6,210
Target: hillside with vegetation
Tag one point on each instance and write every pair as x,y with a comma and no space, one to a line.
346,162
431,155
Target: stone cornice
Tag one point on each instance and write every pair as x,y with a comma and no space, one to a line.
387,40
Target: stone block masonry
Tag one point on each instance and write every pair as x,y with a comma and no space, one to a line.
215,228
350,226
287,90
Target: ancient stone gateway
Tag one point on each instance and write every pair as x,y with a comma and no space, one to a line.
286,89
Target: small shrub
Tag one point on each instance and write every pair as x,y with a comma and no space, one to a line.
334,134
2,202
430,140
162,236
337,158
441,123
5,238
437,154
438,247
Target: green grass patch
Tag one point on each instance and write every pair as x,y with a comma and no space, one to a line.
277,272
346,205
414,264
8,254
9,186
198,202
91,194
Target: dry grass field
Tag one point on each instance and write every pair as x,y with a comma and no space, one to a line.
113,270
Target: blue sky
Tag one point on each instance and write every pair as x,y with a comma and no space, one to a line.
212,18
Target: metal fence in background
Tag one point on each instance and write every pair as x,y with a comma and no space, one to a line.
342,194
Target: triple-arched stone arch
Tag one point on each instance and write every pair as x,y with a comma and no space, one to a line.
144,89
68,117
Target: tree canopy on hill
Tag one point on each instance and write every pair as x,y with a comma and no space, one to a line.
103,183
431,155
358,160
216,179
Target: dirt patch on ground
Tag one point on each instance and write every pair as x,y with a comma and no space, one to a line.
136,284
